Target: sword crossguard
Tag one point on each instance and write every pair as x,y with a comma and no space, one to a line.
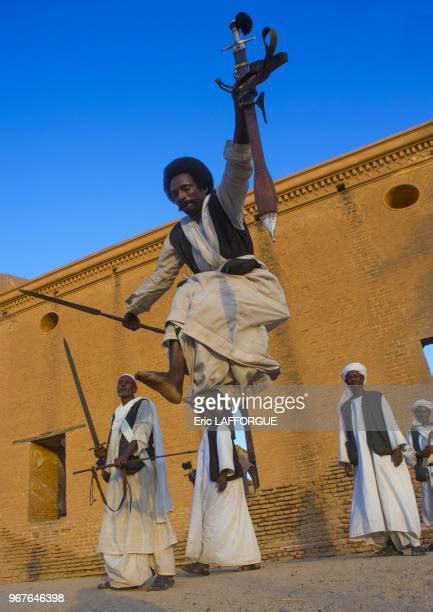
96,447
224,86
238,44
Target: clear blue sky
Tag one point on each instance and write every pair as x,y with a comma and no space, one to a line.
97,96
428,352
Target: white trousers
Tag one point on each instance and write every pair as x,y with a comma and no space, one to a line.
400,539
131,569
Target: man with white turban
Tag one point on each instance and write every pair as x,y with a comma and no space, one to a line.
136,537
383,502
419,454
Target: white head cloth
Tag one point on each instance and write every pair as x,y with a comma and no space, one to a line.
351,367
128,375
418,404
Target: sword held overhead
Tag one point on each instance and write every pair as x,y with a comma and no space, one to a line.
83,308
248,76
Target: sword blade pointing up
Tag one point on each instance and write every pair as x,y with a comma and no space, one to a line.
80,392
83,308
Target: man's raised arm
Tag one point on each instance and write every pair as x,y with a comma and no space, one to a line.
234,184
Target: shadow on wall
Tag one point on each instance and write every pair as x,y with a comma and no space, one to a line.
312,530
34,565
25,560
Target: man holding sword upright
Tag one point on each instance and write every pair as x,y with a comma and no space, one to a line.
137,539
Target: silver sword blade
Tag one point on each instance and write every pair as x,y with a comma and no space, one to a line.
80,392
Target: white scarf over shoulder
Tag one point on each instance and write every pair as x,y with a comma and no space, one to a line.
120,425
203,240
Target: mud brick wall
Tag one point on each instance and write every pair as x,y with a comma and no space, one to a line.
289,523
292,523
358,278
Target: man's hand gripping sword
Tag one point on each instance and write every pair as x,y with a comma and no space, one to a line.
248,76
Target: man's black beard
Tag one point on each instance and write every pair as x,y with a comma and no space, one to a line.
356,390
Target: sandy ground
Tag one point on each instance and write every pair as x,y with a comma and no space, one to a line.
343,583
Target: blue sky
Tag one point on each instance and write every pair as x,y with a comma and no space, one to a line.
97,96
428,353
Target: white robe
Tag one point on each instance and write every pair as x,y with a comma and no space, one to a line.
383,497
133,538
220,531
425,487
220,320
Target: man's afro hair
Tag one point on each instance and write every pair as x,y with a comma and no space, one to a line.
188,165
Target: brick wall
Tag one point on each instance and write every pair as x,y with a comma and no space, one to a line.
290,522
359,282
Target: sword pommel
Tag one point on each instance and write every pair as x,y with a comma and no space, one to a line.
243,23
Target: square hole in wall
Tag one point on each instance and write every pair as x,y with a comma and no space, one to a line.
427,346
47,489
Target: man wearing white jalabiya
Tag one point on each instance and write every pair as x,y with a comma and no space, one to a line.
137,540
419,454
216,329
220,530
383,502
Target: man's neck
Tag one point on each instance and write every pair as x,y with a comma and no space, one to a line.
125,400
196,217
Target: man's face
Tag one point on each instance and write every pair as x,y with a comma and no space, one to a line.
355,380
185,193
126,387
423,413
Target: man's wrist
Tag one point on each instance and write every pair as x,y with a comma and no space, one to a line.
235,151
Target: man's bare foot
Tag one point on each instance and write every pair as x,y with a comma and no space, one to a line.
274,374
160,382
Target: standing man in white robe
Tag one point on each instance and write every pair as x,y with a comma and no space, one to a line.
420,451
220,531
383,502
216,329
137,540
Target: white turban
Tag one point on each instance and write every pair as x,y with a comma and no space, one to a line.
422,402
128,375
354,367
418,404
351,367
